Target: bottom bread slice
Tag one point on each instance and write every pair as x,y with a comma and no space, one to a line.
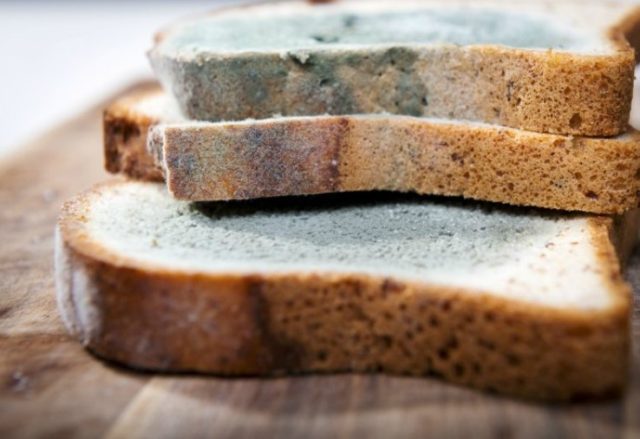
523,302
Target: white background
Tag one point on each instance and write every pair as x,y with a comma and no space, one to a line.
60,57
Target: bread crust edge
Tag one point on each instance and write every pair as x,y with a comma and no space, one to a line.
134,314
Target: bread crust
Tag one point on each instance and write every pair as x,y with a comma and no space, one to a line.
150,317
125,137
355,153
542,91
629,29
297,156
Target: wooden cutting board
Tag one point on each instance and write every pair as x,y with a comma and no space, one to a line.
51,387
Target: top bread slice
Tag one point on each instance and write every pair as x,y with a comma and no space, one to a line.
205,161
529,303
557,67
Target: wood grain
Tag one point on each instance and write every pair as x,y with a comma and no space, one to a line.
51,387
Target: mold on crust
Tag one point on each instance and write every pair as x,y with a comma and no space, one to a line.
544,68
297,156
307,155
338,286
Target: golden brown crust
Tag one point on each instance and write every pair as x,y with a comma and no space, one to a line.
358,153
125,138
355,153
156,318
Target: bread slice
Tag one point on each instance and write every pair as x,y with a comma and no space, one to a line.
528,303
126,123
308,155
547,66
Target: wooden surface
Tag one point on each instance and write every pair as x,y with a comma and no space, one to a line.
51,387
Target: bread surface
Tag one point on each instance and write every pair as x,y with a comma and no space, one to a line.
557,67
159,284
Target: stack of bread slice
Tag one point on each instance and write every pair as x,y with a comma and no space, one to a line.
283,209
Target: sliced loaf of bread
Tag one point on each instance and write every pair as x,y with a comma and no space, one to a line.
547,66
528,303
319,154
